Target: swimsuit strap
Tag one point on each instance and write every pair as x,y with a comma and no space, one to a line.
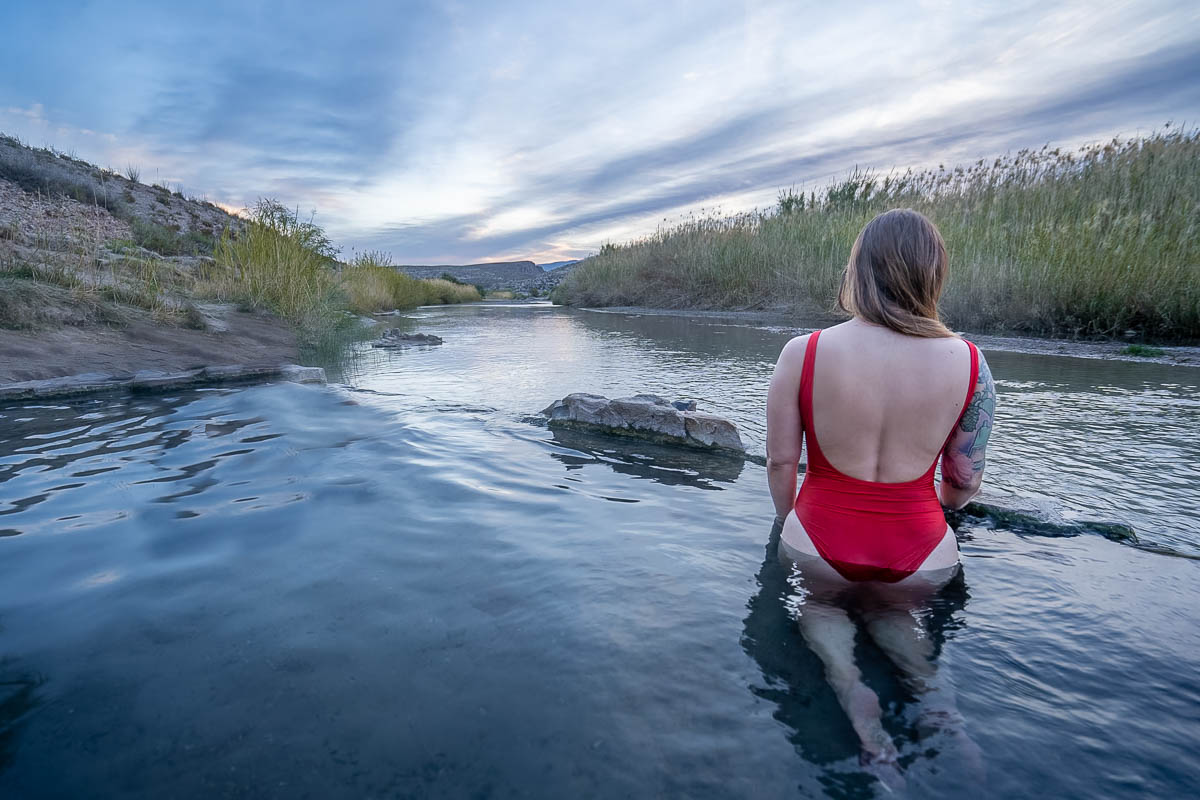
970,384
806,379
806,397
806,404
966,402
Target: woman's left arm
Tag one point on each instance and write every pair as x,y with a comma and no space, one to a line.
784,428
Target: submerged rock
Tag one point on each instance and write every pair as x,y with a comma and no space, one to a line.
393,337
646,416
998,514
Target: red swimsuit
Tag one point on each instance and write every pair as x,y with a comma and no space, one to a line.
868,531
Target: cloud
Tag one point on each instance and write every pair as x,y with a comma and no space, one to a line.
469,131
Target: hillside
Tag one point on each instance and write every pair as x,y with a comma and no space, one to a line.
492,275
154,216
98,272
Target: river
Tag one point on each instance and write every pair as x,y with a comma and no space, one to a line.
402,585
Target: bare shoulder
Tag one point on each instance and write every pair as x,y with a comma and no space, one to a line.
791,357
795,347
951,354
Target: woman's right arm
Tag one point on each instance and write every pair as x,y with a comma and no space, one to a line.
784,429
964,458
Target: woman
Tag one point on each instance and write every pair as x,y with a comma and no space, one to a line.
876,400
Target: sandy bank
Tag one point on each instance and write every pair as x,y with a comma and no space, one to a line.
231,337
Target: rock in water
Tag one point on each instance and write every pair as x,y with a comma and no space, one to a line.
646,416
393,337
649,413
712,431
586,409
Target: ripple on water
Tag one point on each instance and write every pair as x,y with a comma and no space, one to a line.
274,590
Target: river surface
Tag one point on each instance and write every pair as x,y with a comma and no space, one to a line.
402,586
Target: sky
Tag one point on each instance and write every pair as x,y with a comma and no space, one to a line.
458,132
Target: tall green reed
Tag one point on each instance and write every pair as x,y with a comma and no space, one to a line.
1088,242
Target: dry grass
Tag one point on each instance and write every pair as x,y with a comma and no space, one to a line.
1091,242
443,291
370,284
278,262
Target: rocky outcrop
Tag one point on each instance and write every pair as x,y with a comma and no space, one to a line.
64,197
395,339
149,380
540,285
647,416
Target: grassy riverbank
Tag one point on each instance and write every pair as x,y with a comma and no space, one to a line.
282,263
91,249
1088,243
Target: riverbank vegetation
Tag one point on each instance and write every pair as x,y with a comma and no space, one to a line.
1092,242
372,284
81,245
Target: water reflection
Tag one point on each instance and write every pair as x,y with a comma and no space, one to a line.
1075,438
927,730
19,699
672,466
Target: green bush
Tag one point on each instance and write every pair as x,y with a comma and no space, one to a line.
1142,351
168,242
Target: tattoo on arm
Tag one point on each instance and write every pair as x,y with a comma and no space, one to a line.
974,430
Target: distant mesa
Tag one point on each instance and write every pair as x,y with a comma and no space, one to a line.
519,276
493,275
553,265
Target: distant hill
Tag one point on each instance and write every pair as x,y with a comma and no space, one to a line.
553,265
493,275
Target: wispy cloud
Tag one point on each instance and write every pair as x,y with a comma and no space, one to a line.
475,130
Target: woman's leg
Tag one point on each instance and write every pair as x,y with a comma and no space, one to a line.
829,632
902,636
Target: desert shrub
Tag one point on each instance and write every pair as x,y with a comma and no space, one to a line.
440,291
371,284
170,242
279,262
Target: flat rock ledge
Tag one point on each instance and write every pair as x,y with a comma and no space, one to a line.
647,416
157,380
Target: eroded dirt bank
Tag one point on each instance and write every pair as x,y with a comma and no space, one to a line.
231,337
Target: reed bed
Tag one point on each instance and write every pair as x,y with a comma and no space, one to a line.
442,291
370,284
1092,242
288,266
278,262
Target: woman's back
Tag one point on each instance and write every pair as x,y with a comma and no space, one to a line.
884,403
875,401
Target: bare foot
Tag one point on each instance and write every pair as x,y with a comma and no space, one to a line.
885,768
950,727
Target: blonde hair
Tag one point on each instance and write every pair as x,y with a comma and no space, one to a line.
895,274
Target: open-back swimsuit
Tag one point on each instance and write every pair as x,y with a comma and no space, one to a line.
867,530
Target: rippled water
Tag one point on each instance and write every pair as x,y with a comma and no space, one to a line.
400,587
